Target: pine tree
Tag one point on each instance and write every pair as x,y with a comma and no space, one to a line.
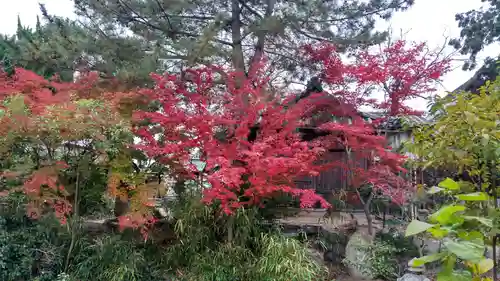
479,28
62,46
42,50
238,32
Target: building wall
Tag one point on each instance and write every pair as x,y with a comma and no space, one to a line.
332,179
396,139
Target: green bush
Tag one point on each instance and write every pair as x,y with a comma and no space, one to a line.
284,259
255,253
276,258
112,258
29,249
32,250
36,250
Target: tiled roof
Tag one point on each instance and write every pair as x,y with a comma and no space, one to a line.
396,123
409,121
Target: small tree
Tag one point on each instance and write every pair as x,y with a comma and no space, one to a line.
57,131
465,138
402,71
251,140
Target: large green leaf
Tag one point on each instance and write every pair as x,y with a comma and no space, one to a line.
416,227
470,235
438,232
486,221
449,184
426,259
467,250
485,265
434,190
470,117
476,196
445,214
455,275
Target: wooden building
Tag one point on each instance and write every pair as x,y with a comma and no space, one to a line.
333,181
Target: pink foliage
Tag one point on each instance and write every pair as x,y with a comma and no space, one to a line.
402,71
242,171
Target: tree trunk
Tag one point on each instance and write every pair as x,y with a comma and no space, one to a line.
366,209
237,52
261,37
121,207
75,219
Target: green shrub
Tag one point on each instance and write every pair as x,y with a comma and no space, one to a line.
113,258
202,252
228,262
31,251
284,259
382,258
276,258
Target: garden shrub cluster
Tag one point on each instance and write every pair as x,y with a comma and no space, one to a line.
385,257
36,250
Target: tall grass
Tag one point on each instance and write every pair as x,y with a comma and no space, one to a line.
113,258
203,254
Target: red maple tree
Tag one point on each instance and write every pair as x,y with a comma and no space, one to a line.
43,116
252,141
401,71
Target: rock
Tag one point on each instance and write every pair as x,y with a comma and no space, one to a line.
357,258
315,256
162,213
335,243
413,277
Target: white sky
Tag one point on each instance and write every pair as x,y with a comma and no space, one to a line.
428,20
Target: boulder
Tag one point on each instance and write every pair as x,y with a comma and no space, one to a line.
357,257
335,243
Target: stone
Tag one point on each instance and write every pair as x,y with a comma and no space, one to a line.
315,255
413,277
357,258
489,252
335,243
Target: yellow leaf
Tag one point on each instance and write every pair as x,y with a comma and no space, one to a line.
484,266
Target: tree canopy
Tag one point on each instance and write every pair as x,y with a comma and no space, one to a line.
237,33
479,28
62,46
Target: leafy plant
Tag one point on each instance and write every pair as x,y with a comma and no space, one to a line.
111,258
281,259
382,257
275,258
31,250
465,138
464,228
